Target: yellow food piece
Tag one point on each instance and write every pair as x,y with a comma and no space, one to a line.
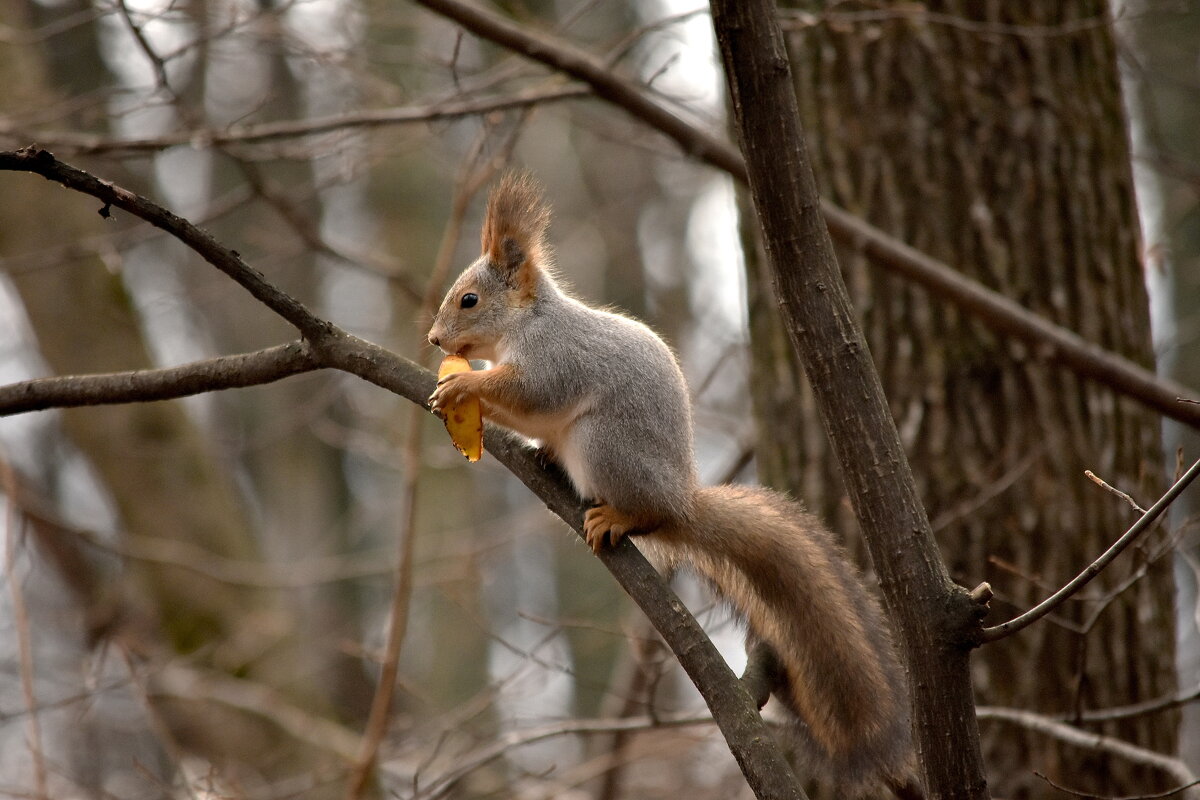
464,421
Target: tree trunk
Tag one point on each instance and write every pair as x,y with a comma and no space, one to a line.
165,476
1001,150
1164,119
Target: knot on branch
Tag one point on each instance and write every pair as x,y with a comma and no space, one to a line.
965,612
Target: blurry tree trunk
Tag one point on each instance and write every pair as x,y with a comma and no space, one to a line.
1003,153
297,478
157,466
1165,117
163,473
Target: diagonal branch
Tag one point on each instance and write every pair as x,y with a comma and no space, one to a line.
139,386
560,55
42,162
936,619
747,735
1052,342
1083,578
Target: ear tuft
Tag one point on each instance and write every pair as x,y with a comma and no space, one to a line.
514,227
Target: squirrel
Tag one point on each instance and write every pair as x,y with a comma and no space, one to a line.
606,399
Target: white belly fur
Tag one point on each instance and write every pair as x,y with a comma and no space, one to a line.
556,433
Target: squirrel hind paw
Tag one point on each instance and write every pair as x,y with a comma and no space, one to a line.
603,519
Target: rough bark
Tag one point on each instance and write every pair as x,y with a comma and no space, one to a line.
1165,117
935,618
1003,154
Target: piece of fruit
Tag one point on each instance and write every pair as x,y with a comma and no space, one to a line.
464,421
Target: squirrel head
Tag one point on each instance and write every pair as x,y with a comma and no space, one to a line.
486,301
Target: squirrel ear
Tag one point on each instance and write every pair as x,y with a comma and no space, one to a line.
514,229
510,256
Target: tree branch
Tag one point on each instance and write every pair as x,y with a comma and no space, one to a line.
1144,708
1090,741
42,162
1052,602
571,60
748,737
734,712
938,620
258,699
993,309
139,386
91,144
512,739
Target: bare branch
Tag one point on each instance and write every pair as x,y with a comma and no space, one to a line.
519,738
139,386
748,737
1093,796
1136,709
234,572
255,698
42,162
24,644
569,59
156,61
1050,341
1091,741
1082,579
470,180
91,144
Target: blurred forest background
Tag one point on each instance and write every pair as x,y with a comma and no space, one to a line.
197,593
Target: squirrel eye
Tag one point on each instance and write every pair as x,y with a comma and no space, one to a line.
469,300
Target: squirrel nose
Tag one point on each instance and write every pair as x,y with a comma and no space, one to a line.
433,340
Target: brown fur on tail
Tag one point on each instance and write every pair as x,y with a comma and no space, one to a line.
515,223
781,569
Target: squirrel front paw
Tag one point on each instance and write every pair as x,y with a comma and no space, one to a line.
451,391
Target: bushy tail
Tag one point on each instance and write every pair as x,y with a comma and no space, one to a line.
781,569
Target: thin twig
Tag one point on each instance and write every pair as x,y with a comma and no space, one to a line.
1083,578
156,62
1142,709
471,179
260,700
21,625
519,738
1094,796
91,144
993,490
42,162
158,726
1096,479
1090,741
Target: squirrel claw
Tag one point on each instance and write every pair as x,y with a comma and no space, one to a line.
603,519
451,390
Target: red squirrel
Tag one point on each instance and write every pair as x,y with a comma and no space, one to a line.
605,398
